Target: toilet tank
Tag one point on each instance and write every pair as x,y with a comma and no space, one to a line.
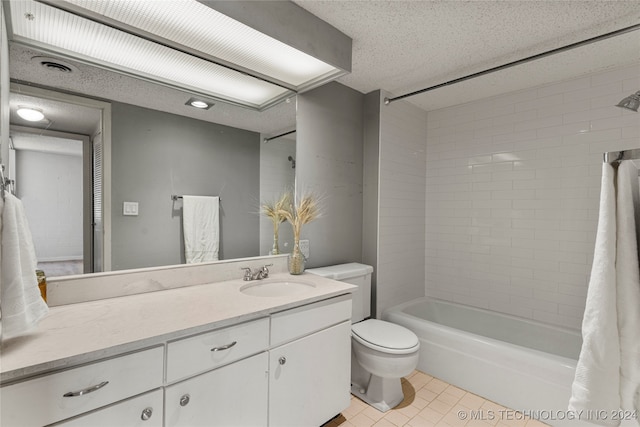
354,274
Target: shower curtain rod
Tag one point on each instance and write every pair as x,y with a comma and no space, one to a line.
278,136
621,31
618,156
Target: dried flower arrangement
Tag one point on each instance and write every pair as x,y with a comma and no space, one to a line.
298,213
274,210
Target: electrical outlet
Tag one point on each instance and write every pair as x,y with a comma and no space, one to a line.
304,248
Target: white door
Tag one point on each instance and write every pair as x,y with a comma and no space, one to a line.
310,378
234,395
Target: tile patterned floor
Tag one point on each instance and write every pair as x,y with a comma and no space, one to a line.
430,402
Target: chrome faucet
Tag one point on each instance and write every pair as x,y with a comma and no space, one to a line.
259,274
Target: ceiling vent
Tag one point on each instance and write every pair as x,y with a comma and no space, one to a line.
54,64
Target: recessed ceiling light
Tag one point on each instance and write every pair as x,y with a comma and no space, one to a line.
30,114
199,103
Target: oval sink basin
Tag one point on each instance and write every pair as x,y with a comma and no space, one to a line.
275,289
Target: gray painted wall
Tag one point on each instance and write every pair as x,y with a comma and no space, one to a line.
371,175
157,154
329,163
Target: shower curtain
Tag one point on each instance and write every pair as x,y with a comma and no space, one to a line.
608,372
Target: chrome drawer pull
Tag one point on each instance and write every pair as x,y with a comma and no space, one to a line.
86,390
224,347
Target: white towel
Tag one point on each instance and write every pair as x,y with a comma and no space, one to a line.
628,285
597,381
21,304
201,228
608,371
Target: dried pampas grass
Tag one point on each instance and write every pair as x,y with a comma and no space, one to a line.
305,210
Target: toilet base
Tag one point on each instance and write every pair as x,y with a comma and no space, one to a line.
381,393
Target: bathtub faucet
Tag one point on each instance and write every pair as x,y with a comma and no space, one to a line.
259,274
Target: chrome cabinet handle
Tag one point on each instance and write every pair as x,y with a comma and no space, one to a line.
282,360
146,414
224,347
86,390
184,400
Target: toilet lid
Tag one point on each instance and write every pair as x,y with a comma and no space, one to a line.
378,333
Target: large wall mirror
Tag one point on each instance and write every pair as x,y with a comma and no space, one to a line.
154,146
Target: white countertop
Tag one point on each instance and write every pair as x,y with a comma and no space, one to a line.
84,332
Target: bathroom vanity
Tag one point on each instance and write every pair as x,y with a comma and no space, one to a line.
225,353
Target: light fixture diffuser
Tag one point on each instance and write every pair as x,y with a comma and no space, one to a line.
30,114
179,43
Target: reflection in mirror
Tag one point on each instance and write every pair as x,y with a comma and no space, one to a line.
157,146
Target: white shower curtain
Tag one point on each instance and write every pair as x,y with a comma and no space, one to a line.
608,372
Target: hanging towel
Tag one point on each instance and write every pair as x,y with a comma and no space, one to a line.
628,284
608,371
20,302
201,228
597,380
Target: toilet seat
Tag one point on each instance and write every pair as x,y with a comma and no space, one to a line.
385,337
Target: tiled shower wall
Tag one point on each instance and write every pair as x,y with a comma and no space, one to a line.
401,193
512,196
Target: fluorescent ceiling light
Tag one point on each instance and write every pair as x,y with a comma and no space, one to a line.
30,114
186,44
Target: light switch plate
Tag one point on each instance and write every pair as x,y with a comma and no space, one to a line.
130,208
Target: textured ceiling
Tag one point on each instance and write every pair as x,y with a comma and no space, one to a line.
402,46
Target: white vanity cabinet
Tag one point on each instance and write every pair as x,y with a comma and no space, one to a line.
58,396
258,364
309,363
232,391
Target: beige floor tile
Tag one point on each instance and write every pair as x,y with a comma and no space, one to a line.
431,415
419,402
447,398
373,413
471,401
419,379
426,394
384,423
397,418
457,416
418,421
355,408
436,385
455,391
440,406
409,411
362,420
431,402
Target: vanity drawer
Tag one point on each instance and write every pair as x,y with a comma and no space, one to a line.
298,322
65,394
200,353
140,411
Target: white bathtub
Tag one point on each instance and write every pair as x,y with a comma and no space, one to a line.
521,364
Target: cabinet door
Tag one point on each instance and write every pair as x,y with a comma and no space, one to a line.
140,411
310,378
234,395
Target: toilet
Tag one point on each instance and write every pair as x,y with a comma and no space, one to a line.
381,352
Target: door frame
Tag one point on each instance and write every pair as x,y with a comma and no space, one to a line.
105,130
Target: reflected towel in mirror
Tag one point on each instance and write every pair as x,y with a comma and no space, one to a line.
201,226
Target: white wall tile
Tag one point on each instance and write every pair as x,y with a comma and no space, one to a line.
511,219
